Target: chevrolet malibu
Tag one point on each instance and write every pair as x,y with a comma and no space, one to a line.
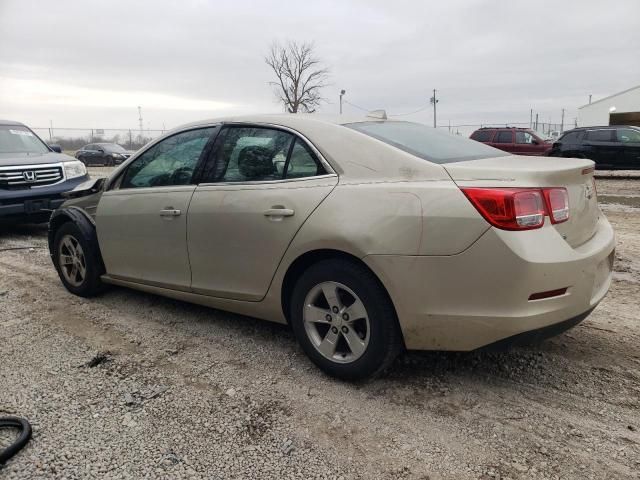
367,236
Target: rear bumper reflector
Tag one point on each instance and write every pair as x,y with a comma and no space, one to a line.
548,294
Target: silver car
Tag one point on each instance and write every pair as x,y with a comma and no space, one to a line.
367,236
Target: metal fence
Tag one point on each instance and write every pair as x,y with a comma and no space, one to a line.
544,129
71,139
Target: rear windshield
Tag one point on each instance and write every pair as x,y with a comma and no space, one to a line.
19,139
429,143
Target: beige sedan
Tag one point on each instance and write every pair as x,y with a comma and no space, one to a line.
367,236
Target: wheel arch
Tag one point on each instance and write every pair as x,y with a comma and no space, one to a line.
80,218
306,260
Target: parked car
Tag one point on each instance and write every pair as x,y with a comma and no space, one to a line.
108,154
521,141
33,175
611,147
366,236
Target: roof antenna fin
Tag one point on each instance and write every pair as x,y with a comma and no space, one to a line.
379,114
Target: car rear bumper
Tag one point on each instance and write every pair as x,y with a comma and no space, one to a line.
36,203
482,295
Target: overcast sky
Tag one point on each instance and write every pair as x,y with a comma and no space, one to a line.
91,63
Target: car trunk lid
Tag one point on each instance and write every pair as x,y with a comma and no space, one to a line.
576,175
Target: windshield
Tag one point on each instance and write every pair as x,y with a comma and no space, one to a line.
425,142
113,147
19,139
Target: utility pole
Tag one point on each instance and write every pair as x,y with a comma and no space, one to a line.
140,120
342,92
589,99
531,118
562,122
536,127
434,101
50,130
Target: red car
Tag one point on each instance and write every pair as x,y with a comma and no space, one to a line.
520,141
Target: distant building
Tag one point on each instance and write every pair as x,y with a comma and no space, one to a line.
620,109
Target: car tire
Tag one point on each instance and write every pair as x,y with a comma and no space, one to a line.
77,261
350,348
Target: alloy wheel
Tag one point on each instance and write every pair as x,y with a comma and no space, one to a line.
72,260
336,322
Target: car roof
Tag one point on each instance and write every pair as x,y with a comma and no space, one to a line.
11,122
505,128
598,127
292,120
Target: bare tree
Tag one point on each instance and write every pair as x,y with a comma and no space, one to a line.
300,74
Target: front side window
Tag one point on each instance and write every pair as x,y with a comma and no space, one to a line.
524,138
599,135
302,162
504,136
169,162
250,154
627,135
19,139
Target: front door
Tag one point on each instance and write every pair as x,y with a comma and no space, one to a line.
629,139
263,185
141,220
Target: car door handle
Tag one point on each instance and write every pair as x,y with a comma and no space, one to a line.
279,212
170,212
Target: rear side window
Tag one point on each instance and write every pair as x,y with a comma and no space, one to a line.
570,138
429,143
600,135
482,135
627,135
252,154
504,136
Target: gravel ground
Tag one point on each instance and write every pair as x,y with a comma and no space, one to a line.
130,385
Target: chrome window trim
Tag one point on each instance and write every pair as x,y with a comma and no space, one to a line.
267,182
323,161
63,178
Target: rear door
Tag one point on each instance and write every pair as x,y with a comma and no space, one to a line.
261,186
142,219
503,139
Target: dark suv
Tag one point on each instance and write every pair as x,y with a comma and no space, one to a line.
33,175
521,141
611,147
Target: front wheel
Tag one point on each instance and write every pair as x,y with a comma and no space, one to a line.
344,320
77,261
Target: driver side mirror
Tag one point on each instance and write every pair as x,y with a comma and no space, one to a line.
56,148
100,150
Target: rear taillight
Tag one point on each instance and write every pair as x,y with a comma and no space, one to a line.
519,208
557,204
509,208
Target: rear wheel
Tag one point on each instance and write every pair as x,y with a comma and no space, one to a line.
344,320
77,261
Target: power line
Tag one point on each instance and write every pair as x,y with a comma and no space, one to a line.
357,106
409,113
